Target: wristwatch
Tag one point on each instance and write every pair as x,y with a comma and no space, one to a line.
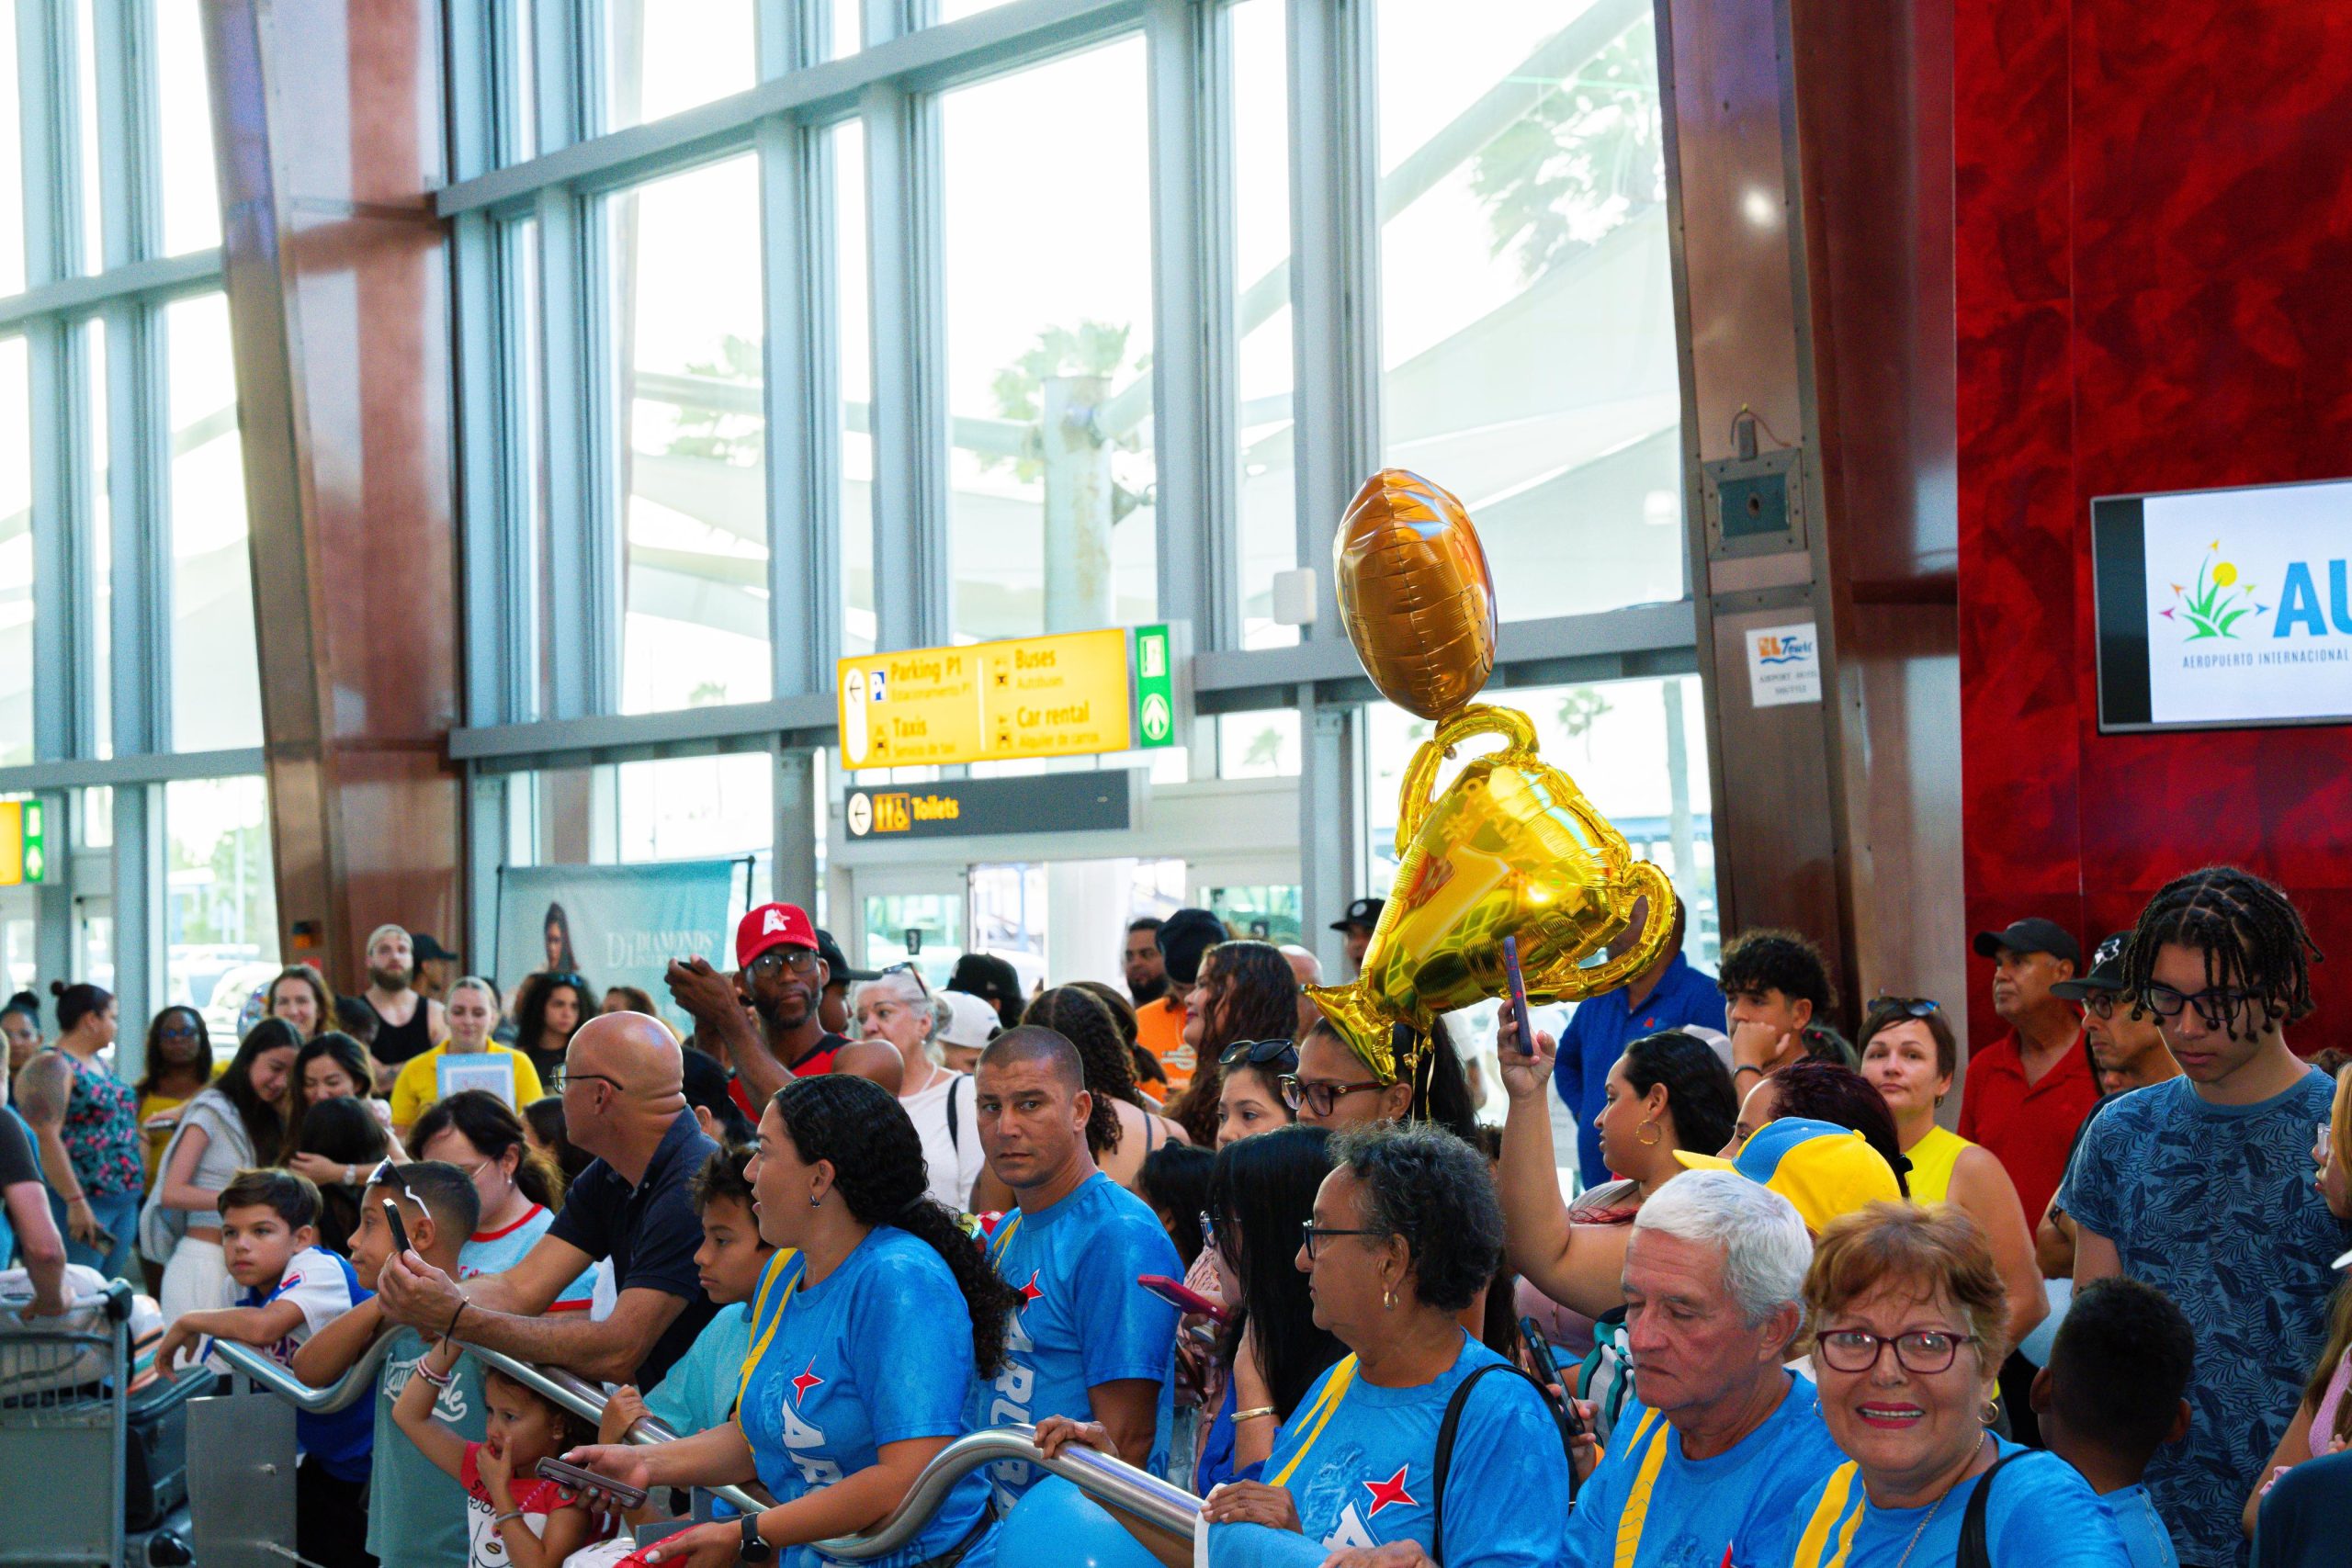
754,1549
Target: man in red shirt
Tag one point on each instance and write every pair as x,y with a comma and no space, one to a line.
2029,1092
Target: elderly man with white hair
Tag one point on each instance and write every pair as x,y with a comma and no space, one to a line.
1721,1441
898,1009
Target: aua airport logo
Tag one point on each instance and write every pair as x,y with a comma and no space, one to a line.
1785,647
2218,601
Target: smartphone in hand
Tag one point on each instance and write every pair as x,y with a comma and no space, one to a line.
1518,997
620,1493
1539,1351
1183,1298
398,1226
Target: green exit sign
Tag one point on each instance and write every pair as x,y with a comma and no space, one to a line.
1154,688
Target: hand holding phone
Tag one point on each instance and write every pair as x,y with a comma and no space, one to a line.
619,1493
398,1226
1518,997
1183,1298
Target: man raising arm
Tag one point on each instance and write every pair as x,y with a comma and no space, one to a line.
623,1101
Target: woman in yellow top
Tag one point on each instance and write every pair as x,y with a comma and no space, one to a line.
472,1008
1909,1057
179,1063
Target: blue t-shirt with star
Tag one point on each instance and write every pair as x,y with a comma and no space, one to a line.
1358,1462
880,1351
1083,1320
2215,1206
1690,1513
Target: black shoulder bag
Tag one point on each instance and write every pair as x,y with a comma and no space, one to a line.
1974,1553
1446,1430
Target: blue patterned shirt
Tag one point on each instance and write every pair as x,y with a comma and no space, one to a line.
2215,1206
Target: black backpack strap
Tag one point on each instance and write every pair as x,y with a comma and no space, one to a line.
955,1138
1973,1551
1446,1428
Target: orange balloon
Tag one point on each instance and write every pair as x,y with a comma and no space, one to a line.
1414,586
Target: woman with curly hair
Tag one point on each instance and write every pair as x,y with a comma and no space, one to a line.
866,1331
1122,1131
1245,990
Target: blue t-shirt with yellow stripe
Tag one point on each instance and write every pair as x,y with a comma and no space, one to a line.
1648,1507
1359,1462
2042,1514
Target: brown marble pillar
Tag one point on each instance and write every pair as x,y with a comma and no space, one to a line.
329,119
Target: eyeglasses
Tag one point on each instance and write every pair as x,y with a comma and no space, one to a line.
176,1031
773,962
1910,1007
2214,1007
1318,1095
2100,1004
570,1079
1314,1232
1259,1052
907,969
1922,1350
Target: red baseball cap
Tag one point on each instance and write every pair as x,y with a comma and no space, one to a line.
773,925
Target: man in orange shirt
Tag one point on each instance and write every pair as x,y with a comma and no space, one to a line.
1160,1025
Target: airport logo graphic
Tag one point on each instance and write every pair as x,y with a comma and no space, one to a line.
2213,608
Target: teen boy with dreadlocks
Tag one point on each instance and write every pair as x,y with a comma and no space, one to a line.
2201,1186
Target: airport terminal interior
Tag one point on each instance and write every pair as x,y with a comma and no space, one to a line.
1778,526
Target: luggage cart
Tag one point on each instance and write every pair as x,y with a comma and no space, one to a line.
64,1430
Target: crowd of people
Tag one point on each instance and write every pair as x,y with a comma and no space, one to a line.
1781,1305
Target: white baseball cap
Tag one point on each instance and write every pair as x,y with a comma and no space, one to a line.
971,1020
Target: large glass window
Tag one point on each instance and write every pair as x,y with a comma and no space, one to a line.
12,160
856,375
1260,185
97,536
1048,284
16,554
1527,313
686,808
85,130
687,328
216,681
183,130
525,448
666,55
222,916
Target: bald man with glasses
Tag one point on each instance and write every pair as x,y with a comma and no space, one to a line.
624,1101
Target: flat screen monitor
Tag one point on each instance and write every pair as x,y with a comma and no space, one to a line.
2224,608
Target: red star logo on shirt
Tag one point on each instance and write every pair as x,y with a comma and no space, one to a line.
1387,1491
1030,1292
804,1381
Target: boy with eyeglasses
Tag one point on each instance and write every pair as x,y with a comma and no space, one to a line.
2201,1187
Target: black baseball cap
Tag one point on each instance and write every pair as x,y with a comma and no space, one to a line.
838,961
428,951
2106,975
1183,937
1364,912
2032,934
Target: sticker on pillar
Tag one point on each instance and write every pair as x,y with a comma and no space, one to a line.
1784,665
1154,688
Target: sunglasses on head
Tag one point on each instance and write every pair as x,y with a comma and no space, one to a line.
907,969
1910,1007
1260,1054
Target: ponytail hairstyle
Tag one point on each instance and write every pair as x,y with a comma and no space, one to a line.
491,1126
1086,1024
877,1156
75,1003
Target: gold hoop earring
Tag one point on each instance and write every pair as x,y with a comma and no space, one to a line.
1388,1298
1990,1414
1651,1127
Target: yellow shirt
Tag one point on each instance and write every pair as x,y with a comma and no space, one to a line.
419,1084
1932,1159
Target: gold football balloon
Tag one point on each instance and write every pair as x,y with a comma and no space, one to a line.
1512,848
1414,587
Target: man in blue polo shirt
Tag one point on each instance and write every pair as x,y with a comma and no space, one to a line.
1667,995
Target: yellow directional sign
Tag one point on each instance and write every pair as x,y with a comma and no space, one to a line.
24,848
1043,696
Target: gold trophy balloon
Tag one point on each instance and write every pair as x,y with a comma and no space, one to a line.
1511,847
